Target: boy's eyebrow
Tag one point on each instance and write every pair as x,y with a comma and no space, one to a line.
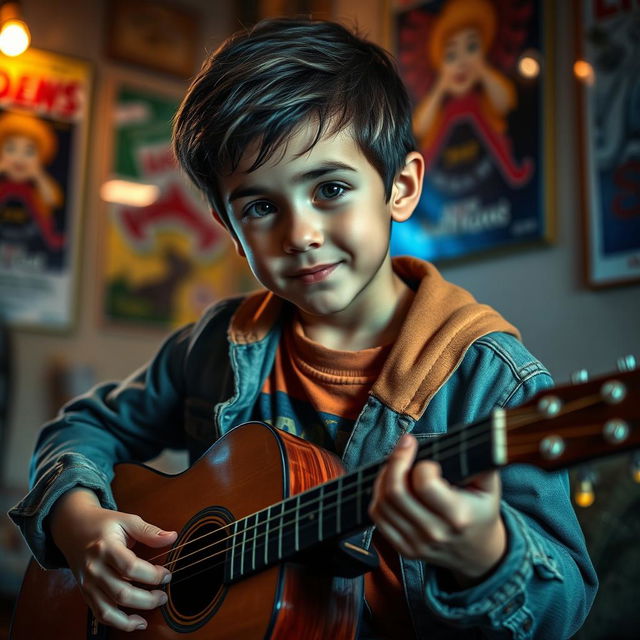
312,174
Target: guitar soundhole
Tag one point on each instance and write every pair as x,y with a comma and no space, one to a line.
197,588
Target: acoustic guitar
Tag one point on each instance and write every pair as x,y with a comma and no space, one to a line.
264,518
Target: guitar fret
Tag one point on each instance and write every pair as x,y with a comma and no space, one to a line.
266,537
359,496
280,529
233,551
320,512
254,540
244,539
296,525
339,506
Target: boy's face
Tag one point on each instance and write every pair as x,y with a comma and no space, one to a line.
314,225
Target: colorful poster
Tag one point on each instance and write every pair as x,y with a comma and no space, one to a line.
477,75
165,261
43,124
609,68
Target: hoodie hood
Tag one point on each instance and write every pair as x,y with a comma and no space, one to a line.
442,323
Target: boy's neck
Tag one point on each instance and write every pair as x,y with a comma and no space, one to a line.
361,328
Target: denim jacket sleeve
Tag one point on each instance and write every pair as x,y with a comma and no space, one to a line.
545,584
133,420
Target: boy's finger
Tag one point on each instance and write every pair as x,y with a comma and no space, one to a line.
395,503
127,564
125,594
148,534
107,613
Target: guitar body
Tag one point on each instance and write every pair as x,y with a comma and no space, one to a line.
250,468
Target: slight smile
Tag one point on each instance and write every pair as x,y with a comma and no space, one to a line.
315,274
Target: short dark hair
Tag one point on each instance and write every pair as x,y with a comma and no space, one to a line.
261,83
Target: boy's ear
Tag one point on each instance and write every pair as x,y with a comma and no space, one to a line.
218,218
407,187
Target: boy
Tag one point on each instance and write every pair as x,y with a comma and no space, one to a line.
299,134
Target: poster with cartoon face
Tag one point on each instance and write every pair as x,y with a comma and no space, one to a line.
474,70
43,117
608,54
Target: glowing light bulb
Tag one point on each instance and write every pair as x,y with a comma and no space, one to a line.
529,67
14,33
584,495
14,38
584,72
128,193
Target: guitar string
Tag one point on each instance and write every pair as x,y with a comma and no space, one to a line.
324,496
258,547
253,540
451,443
524,420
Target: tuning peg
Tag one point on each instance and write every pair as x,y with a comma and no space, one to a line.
627,363
581,375
584,494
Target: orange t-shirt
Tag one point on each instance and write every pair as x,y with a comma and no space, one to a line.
317,393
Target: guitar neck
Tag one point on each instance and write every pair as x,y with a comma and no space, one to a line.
340,507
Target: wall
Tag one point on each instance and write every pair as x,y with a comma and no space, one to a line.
539,289
77,28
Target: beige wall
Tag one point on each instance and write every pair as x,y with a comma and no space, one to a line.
539,289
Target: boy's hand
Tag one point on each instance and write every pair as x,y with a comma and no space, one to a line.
423,516
95,542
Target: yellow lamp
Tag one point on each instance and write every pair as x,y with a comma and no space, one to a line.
14,33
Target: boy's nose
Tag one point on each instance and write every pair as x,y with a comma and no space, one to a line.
303,231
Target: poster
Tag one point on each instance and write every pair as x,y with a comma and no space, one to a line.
166,261
608,68
478,75
43,130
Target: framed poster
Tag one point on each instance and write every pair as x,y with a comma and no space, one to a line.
44,104
608,71
165,260
478,73
156,35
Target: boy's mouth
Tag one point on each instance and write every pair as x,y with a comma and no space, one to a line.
314,274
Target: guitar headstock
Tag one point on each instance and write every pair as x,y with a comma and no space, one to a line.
574,423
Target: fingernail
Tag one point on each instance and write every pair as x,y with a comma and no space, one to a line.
165,533
163,599
142,626
166,579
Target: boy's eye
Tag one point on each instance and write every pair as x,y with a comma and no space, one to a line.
330,190
259,209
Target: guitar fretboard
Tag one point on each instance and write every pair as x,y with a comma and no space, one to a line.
340,507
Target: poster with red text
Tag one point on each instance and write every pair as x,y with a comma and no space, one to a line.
608,67
43,129
166,260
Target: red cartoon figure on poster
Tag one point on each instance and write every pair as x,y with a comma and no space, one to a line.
28,194
467,87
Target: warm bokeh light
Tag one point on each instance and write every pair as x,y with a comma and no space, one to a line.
529,67
584,72
584,496
132,194
14,38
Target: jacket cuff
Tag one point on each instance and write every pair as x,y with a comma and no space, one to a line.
499,602
71,470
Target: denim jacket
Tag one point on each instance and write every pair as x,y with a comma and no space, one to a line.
206,379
